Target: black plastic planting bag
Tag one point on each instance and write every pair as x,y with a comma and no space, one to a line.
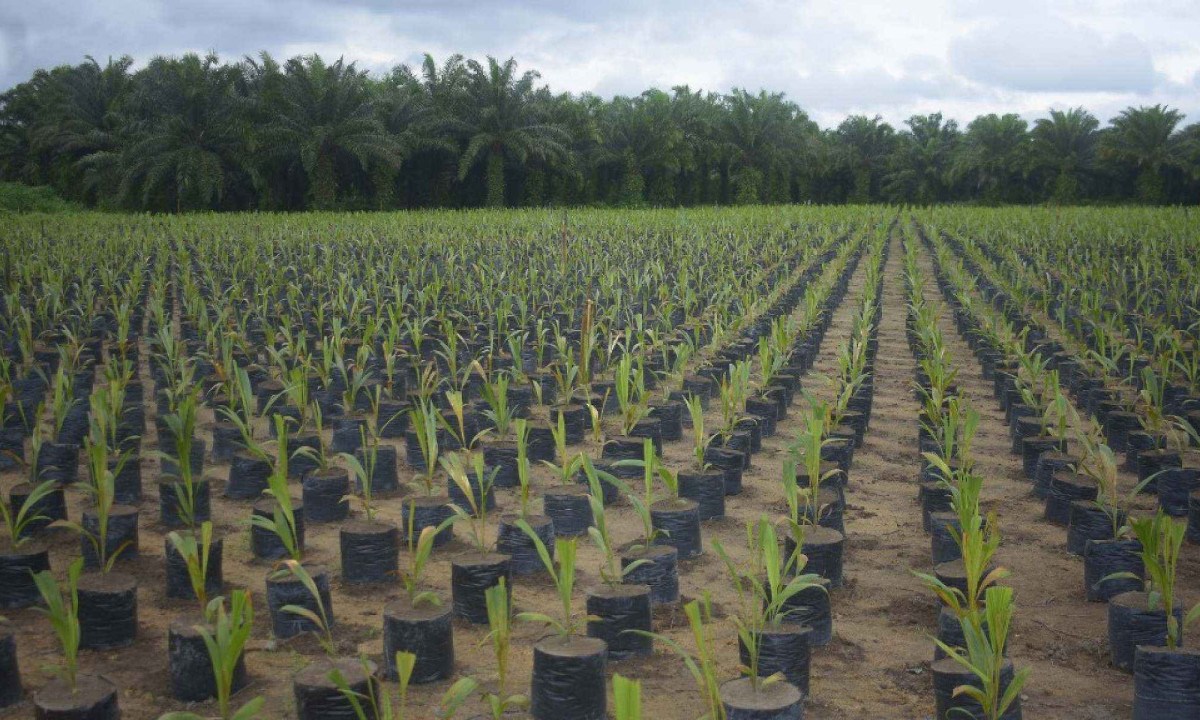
470,579
707,489
512,541
247,476
383,477
678,521
1166,683
107,610
17,568
428,512
424,631
576,419
325,496
284,589
370,552
1132,622
190,667
568,508
811,607
1088,522
782,650
92,698
670,419
614,612
11,692
122,535
730,462
942,544
660,572
503,457
1193,526
319,698
950,632
1174,487
568,679
824,549
1107,557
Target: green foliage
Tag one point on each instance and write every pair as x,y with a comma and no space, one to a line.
563,576
19,198
500,636
17,520
62,607
195,549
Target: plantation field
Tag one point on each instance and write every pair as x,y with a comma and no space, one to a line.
918,398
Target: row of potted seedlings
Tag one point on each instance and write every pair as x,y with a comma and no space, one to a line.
971,673
1129,561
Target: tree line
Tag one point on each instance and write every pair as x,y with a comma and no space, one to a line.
194,133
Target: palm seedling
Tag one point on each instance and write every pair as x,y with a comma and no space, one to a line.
182,424
63,610
476,493
630,388
611,571
225,639
562,574
499,635
425,425
102,490
808,449
1161,540
702,663
764,593
379,706
282,522
420,547
195,549
986,635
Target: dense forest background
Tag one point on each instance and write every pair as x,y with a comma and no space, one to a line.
194,133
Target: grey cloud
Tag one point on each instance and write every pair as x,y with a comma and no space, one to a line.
1039,54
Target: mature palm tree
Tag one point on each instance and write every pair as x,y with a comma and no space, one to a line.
325,120
641,138
994,157
755,130
865,145
502,120
85,118
1065,145
1143,137
434,97
921,159
187,150
695,113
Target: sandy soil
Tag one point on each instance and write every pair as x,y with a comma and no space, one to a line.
876,666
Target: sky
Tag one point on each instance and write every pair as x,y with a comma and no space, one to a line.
893,58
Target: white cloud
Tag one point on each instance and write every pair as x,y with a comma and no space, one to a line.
833,57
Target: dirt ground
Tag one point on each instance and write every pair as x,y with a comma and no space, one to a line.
877,666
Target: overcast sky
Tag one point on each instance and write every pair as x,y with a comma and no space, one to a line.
891,57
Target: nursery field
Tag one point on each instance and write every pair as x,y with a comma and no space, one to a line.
775,462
